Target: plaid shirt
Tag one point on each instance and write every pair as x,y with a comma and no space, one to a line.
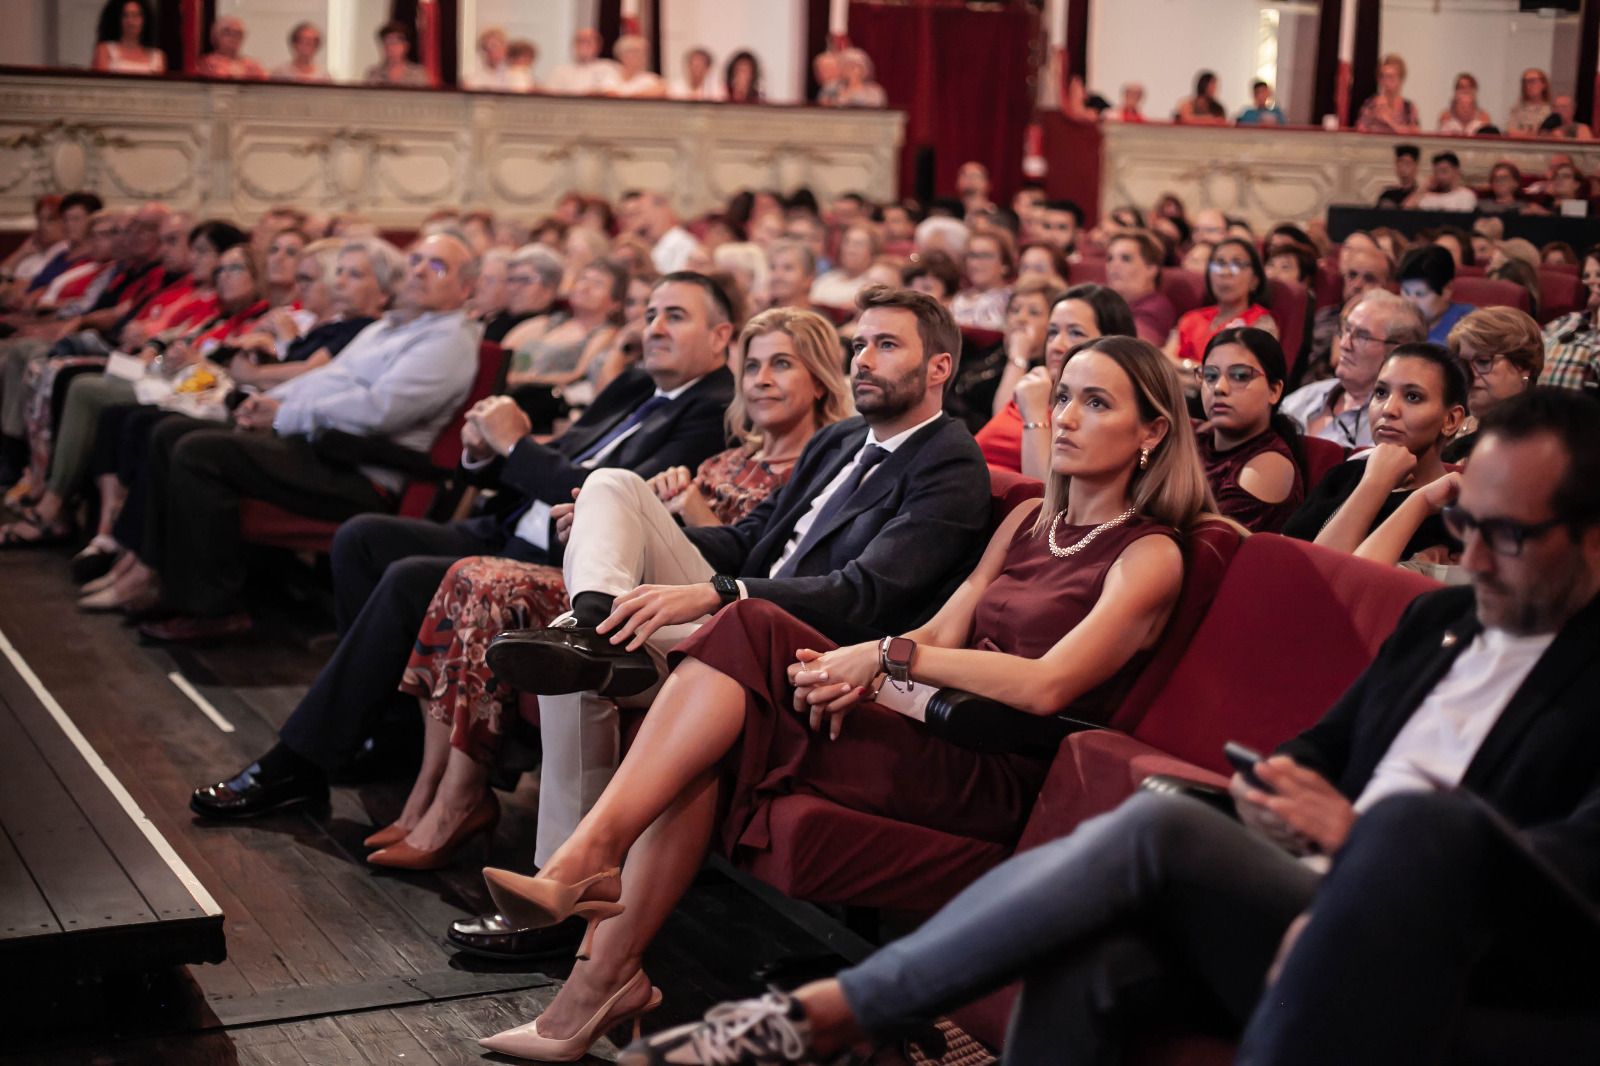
1571,351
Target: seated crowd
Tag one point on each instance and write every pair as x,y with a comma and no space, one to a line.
738,472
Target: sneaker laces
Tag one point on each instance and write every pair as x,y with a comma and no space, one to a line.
754,1030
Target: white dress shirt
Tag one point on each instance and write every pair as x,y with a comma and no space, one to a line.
671,253
585,79
1348,429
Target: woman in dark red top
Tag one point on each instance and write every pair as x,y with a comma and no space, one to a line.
1251,452
1057,615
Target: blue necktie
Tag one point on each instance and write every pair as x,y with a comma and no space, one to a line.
640,413
869,457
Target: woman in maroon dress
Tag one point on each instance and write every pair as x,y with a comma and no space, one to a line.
1057,615
1249,450
790,385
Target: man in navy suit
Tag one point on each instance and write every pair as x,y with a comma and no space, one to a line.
1454,788
667,412
884,515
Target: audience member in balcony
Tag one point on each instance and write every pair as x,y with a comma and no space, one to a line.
1236,293
722,739
1426,275
1335,408
791,271
856,85
933,274
1202,108
1021,437
47,241
226,60
1464,117
387,569
1505,191
1572,342
1132,107
1263,110
1419,403
1251,452
521,55
1133,270
1406,158
1446,192
1414,937
1027,325
400,380
858,246
125,42
587,74
697,82
825,69
1387,111
1502,352
494,64
395,66
1058,223
741,79
634,77
790,385
990,263
305,41
1532,106
649,216
1563,121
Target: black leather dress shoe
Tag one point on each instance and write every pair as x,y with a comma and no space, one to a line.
251,792
492,937
549,662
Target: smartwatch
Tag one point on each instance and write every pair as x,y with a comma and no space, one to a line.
726,587
894,658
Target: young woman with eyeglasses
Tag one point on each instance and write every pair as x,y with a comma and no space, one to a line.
1250,452
1236,295
1418,403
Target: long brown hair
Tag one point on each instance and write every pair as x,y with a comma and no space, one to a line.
1172,489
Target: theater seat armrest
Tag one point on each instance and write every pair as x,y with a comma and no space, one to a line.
1211,795
352,449
986,725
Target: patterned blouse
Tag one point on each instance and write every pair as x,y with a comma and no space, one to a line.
1571,351
734,482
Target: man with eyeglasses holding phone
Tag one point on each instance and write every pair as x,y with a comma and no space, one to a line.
1415,876
1336,408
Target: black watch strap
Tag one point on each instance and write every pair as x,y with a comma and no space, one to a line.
726,587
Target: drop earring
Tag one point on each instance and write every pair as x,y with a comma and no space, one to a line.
1144,458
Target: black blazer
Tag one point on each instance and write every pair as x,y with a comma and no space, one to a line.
1539,764
891,557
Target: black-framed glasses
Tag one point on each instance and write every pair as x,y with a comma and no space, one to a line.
1502,535
1482,365
1237,374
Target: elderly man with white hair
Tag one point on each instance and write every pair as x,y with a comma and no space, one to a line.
635,78
587,74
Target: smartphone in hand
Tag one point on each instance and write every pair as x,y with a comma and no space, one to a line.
1244,760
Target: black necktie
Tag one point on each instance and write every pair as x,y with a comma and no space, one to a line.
640,413
869,457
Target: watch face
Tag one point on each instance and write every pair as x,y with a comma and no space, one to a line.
900,650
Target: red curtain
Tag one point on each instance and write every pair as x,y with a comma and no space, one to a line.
962,77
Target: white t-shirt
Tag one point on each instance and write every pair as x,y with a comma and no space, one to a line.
671,253
585,79
1441,738
1459,199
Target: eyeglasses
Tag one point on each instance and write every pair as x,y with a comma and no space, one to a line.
1502,535
519,279
436,266
1483,364
306,279
1238,374
983,255
233,268
1356,275
1361,336
1227,266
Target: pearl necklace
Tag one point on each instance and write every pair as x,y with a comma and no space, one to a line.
1073,549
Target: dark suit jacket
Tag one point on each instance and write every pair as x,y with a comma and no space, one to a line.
889,559
1539,765
686,432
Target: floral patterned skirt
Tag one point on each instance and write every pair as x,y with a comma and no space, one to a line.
479,597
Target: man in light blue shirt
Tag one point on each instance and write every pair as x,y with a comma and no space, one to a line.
401,379
1263,111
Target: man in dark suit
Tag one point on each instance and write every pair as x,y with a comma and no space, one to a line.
884,515
667,412
1167,903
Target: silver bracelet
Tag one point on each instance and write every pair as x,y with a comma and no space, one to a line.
1034,425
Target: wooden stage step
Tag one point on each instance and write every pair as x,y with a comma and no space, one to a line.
87,882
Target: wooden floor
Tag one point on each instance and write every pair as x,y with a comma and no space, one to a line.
327,961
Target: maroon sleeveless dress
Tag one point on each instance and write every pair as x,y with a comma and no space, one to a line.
884,763
1223,470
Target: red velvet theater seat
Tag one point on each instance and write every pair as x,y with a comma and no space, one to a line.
1184,288
272,526
1321,457
1287,302
1490,292
1288,631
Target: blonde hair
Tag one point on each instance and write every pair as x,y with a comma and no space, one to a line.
1501,331
1172,489
816,345
1394,60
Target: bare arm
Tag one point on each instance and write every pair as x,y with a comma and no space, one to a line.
1387,543
1387,468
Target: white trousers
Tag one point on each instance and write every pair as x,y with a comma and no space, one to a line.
622,537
